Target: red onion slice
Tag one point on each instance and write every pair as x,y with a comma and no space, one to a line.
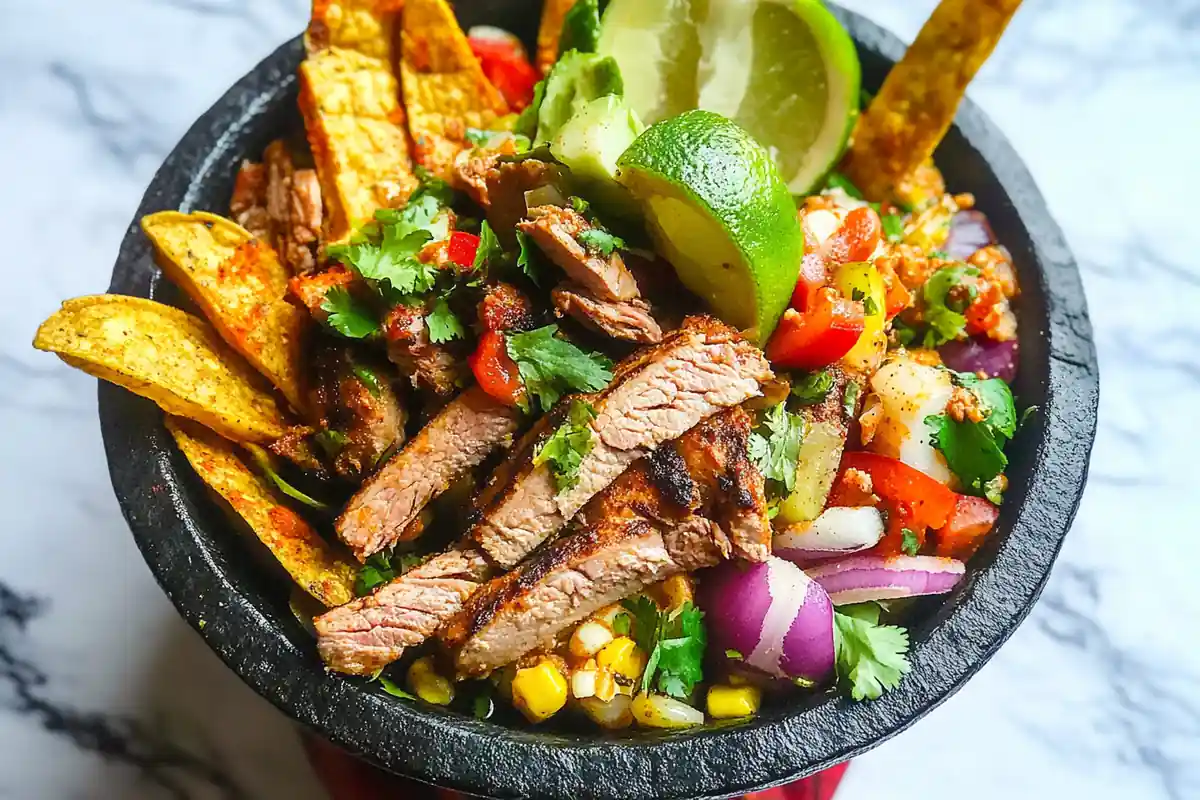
838,531
858,579
969,231
980,354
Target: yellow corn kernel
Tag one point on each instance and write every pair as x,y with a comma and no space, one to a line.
729,702
427,684
606,615
583,683
673,592
606,688
622,656
539,691
589,638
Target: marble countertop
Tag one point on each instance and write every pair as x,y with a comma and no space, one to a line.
105,693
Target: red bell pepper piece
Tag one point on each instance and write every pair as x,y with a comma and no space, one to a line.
968,524
495,371
912,499
855,239
812,278
462,248
820,335
505,64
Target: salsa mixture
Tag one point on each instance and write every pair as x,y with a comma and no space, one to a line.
645,379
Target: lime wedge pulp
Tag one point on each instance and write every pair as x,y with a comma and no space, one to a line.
719,212
785,70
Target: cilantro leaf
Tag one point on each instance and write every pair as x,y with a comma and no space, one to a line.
945,323
675,641
368,378
490,253
910,544
974,451
775,445
813,387
442,323
620,624
268,469
893,227
642,621
551,367
868,610
600,241
870,307
375,571
580,205
837,180
566,448
871,658
331,441
393,689
528,259
850,398
347,316
476,137
996,401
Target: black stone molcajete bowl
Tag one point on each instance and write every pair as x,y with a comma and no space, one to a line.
204,567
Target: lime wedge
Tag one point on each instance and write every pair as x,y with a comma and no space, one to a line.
785,70
719,212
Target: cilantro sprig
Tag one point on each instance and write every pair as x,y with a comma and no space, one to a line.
974,451
598,240
565,449
775,445
945,322
870,658
382,568
675,640
813,387
443,324
347,315
551,366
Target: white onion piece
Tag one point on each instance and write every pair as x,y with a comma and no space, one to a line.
909,392
857,579
822,224
547,195
490,33
836,532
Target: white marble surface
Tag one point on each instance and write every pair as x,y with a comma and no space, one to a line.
104,693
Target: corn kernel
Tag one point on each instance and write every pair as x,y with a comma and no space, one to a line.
427,684
729,702
540,691
583,683
608,614
673,592
606,687
622,656
589,639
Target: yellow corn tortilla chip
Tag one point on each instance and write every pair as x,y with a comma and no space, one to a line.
240,285
553,14
355,124
166,355
445,90
366,26
313,563
914,109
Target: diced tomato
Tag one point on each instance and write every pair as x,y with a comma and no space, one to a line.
913,499
495,371
896,296
969,523
984,313
819,335
505,64
462,248
812,278
856,238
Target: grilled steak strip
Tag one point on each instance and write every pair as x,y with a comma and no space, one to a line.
367,634
556,231
293,200
655,396
506,184
460,437
629,320
668,514
248,206
430,365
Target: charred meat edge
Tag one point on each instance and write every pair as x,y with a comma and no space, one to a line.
459,438
655,396
627,320
556,231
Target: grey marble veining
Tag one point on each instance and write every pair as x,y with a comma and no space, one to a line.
104,693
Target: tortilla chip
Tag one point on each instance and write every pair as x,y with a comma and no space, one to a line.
445,89
365,26
914,109
166,355
240,286
549,32
315,565
351,108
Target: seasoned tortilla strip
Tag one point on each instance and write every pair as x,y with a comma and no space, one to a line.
553,14
315,565
240,286
366,26
166,355
915,107
355,124
445,89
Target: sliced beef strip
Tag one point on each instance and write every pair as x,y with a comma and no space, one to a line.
248,206
664,516
432,366
471,168
368,415
655,396
628,320
460,437
504,307
556,231
507,183
293,200
367,634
